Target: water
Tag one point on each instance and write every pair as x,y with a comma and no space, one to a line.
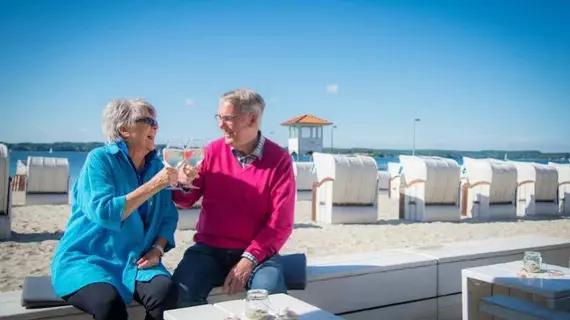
76,160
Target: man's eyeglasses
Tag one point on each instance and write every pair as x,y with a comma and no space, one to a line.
148,120
219,117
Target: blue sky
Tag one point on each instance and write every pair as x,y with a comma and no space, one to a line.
480,74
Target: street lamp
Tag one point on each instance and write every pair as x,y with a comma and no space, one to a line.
414,141
332,137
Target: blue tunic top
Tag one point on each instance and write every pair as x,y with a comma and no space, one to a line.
97,246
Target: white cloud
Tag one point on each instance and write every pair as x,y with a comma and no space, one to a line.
332,88
189,102
272,101
82,130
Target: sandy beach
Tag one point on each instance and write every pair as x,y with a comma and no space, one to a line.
37,229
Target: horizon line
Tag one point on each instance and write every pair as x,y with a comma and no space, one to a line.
328,148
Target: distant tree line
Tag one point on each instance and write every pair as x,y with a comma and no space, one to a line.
377,153
456,154
56,146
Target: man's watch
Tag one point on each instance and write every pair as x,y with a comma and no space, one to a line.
184,187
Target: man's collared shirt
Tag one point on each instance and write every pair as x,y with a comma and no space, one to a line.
245,159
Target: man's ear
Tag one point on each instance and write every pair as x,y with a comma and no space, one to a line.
254,119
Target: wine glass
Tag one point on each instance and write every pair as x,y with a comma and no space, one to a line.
173,155
194,154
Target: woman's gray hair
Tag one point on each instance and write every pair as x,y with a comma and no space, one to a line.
123,112
248,101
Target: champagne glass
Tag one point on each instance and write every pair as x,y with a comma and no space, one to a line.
194,154
173,155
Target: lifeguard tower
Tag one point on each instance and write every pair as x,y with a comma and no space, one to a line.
305,134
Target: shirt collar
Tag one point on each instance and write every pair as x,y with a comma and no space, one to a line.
257,151
122,146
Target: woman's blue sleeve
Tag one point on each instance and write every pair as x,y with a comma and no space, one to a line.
96,192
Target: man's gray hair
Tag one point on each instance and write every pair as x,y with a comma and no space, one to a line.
247,100
123,112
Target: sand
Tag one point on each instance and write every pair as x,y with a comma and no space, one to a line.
37,229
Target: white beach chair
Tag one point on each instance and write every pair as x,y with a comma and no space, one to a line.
305,176
188,218
429,192
537,189
489,191
395,171
5,194
347,189
383,180
47,181
563,187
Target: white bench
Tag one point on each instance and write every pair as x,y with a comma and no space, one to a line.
338,284
510,308
453,257
375,285
350,283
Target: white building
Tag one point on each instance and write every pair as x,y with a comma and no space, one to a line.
305,134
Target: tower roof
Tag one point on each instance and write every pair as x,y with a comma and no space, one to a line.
307,119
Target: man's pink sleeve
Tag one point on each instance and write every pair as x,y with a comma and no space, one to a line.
186,199
280,224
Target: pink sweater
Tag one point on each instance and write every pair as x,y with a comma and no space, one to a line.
247,208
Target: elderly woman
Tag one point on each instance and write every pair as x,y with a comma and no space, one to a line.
122,221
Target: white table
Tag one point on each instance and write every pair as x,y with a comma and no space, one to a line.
546,289
206,311
221,310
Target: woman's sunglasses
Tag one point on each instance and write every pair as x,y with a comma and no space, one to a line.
148,120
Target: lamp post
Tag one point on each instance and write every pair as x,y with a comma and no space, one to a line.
414,138
332,137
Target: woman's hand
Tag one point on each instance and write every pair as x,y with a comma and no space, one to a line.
168,176
150,259
187,174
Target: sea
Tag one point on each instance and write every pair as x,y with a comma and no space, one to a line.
77,159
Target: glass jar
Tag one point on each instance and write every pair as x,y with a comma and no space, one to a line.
257,304
532,261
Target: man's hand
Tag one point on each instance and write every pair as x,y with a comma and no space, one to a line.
238,276
150,259
187,174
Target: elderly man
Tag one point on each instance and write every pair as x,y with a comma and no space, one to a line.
248,190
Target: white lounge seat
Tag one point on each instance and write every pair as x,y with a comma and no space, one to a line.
5,194
537,189
383,180
430,189
305,177
47,181
187,218
347,189
395,171
489,192
21,168
563,187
